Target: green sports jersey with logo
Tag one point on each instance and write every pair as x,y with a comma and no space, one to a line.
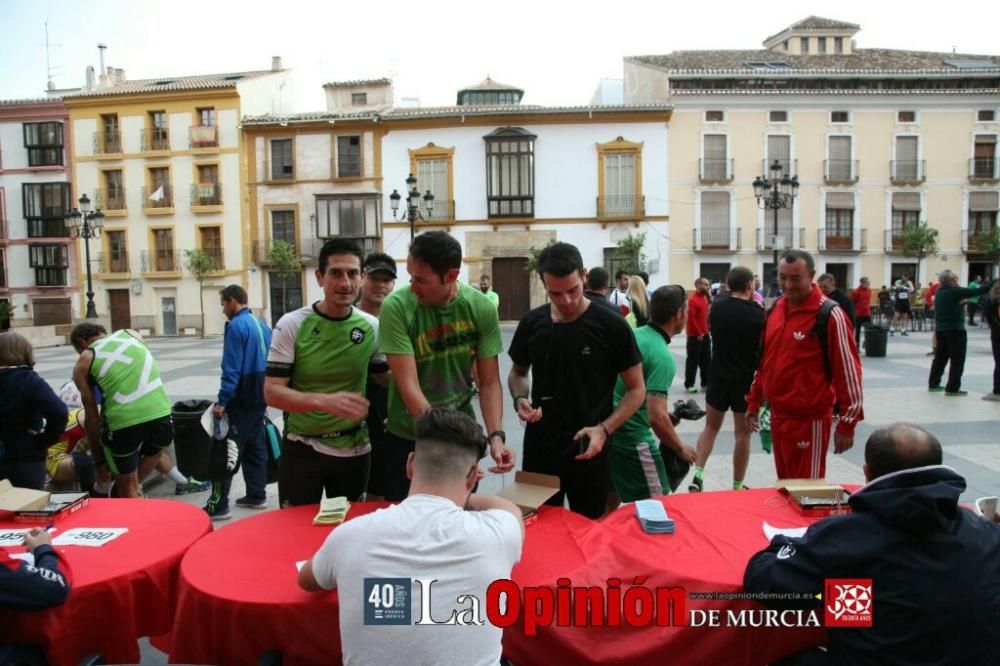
658,369
129,379
320,354
444,341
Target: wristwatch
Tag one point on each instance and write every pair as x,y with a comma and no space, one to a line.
497,433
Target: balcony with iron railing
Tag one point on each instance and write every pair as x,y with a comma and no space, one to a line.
203,136
218,256
790,237
158,199
108,142
109,263
156,139
984,169
716,170
626,207
110,200
160,261
788,166
312,246
443,211
718,240
841,171
261,251
908,171
205,194
973,240
893,241
853,240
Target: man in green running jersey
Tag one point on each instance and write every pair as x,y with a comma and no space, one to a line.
317,367
135,408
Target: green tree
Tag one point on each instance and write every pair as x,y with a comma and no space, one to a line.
629,254
919,241
200,263
285,263
532,265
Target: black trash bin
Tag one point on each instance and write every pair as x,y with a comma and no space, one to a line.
192,445
876,340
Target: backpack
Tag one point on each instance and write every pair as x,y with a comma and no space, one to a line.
819,329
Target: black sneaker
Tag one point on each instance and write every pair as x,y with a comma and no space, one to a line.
248,503
217,514
696,484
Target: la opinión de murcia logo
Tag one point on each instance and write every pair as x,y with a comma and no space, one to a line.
848,602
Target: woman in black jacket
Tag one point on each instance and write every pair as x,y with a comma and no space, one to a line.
32,417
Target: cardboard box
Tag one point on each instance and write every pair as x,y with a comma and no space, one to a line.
21,499
59,506
530,490
815,497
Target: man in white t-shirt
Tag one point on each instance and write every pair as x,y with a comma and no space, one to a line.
430,537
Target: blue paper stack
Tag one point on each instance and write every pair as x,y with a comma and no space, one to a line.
653,517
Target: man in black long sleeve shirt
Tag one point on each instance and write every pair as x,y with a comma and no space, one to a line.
28,587
828,285
952,339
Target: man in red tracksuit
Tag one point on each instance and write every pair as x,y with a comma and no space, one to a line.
793,375
699,342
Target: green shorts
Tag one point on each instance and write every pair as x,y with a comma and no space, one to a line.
637,472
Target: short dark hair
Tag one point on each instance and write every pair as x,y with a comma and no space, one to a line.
447,442
666,302
235,292
827,277
336,246
644,275
900,446
598,278
559,260
85,331
619,273
791,256
439,250
739,278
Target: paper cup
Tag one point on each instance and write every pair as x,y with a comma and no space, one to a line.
987,507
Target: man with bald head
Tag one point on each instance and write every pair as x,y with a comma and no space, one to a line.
933,566
950,335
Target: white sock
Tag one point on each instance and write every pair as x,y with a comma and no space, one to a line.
103,487
175,475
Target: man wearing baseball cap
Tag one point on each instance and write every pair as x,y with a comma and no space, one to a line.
378,278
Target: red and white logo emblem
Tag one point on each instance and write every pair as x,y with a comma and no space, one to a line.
848,602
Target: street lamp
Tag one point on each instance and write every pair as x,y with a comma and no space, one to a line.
82,223
775,193
412,213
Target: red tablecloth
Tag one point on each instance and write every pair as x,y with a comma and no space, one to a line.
239,598
122,590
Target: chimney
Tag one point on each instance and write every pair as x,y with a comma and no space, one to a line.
102,48
90,77
276,63
119,76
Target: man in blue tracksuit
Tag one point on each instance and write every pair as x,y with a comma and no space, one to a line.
241,399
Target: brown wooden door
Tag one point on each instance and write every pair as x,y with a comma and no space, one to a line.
51,311
512,283
121,311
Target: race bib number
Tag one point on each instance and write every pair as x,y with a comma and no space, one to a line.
9,538
89,536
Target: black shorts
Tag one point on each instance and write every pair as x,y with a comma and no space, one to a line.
901,306
724,395
122,448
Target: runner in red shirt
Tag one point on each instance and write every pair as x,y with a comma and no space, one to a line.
861,297
793,377
699,343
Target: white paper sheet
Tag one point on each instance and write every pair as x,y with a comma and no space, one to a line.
89,536
770,531
12,537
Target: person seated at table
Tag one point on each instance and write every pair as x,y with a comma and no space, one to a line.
31,414
440,531
934,567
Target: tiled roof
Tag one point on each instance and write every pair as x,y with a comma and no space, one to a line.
864,61
404,113
820,23
358,82
490,84
172,83
26,102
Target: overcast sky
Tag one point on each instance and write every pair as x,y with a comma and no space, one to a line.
556,50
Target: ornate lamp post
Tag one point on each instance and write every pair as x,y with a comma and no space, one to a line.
82,223
775,193
412,213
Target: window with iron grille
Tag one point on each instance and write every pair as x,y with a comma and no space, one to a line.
50,263
510,173
348,156
45,206
281,159
715,215
44,142
283,226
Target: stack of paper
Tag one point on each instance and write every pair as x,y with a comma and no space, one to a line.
332,511
653,517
